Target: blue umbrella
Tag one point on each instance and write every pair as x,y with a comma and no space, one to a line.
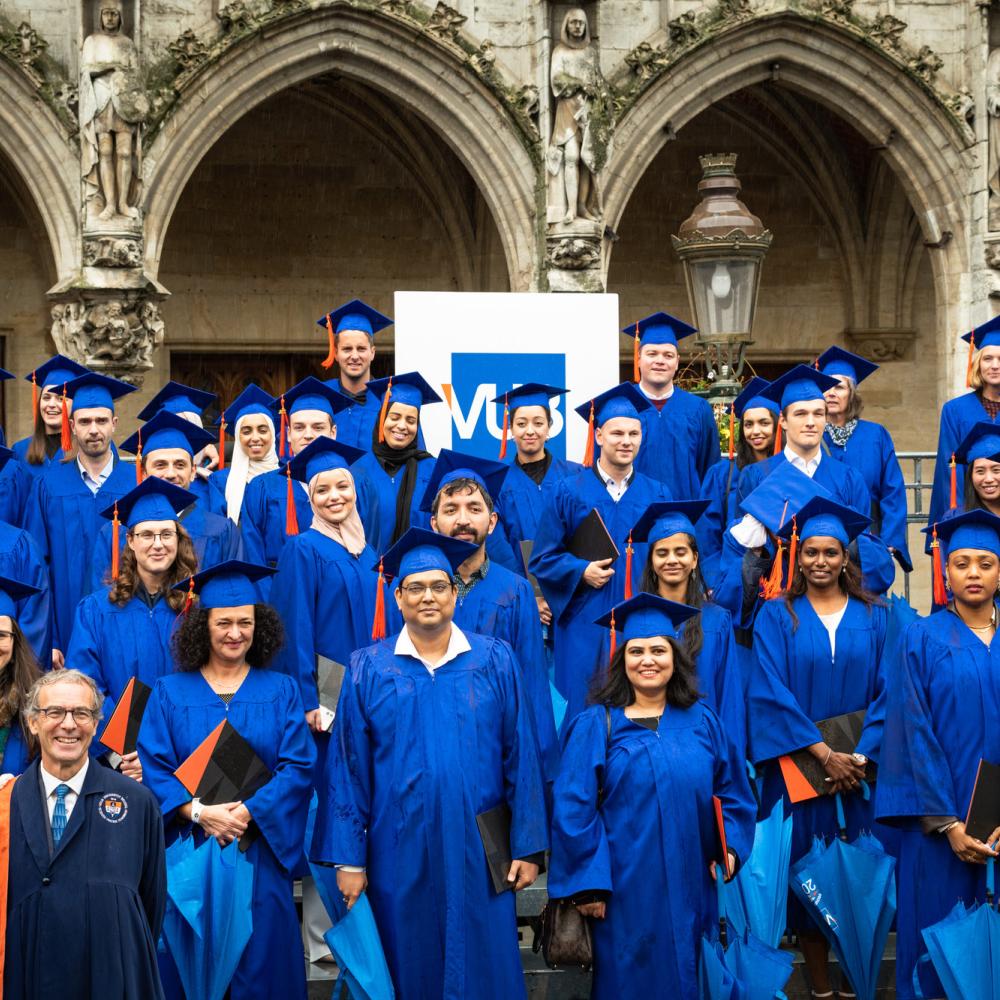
208,919
851,892
715,981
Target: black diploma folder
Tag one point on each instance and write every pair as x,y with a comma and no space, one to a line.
494,828
592,540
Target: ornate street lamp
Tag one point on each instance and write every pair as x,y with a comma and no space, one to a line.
722,247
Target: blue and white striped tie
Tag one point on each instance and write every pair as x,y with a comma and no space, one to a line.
59,814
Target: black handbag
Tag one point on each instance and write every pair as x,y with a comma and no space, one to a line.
563,936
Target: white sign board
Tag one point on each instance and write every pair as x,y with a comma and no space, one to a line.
474,346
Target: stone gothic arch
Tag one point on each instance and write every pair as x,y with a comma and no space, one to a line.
383,53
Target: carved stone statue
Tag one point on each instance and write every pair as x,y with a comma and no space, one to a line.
576,81
113,107
993,109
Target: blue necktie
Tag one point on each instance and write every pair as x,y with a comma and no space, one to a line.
59,814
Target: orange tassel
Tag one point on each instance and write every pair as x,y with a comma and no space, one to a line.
954,483
939,589
506,424
222,442
291,514
628,568
189,597
34,399
793,551
777,440
635,356
770,586
331,356
382,413
378,623
138,459
588,454
968,366
115,540
816,363
66,442
613,642
283,434
732,431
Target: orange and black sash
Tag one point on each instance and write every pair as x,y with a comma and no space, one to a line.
5,794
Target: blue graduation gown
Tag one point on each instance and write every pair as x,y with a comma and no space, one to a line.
64,517
386,489
943,706
14,758
522,500
217,491
83,921
633,817
840,479
871,453
15,488
356,424
21,560
113,644
420,756
575,605
267,712
503,605
20,449
794,683
679,443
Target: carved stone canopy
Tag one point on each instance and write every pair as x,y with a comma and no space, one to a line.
883,344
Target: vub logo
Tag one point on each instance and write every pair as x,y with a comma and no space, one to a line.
478,378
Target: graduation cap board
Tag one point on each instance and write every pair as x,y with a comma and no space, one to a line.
121,734
224,768
984,808
803,774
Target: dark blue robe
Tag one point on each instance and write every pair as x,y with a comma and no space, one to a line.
576,605
82,921
64,517
503,605
794,683
943,707
871,453
356,424
386,489
420,756
267,712
20,449
720,512
522,500
15,488
633,817
21,560
680,443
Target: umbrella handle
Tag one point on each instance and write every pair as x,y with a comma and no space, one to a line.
990,881
841,820
720,891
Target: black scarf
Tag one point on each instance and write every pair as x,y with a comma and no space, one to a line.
360,398
392,460
536,471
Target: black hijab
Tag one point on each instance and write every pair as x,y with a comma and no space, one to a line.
392,460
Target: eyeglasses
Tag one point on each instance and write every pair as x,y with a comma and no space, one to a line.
6,636
438,589
148,537
56,713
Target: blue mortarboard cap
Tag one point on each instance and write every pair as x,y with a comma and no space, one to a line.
410,388
322,455
798,385
92,390
648,615
668,517
167,430
972,529
529,394
312,394
12,591
660,328
751,399
983,441
779,498
227,585
152,500
355,315
420,550
824,516
451,465
58,370
4,375
986,335
177,398
836,361
624,400
252,399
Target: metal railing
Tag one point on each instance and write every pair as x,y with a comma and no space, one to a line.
917,504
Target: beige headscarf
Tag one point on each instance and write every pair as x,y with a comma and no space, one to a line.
350,532
242,469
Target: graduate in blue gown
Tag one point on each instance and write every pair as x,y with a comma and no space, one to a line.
866,447
44,446
64,515
819,651
758,423
680,439
941,720
979,455
223,649
440,713
351,329
125,629
491,599
578,590
633,832
165,449
18,671
959,414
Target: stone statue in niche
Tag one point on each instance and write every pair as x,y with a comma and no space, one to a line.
113,107
993,110
572,160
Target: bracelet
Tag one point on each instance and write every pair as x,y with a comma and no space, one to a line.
828,756
945,829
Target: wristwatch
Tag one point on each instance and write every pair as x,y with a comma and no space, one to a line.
196,810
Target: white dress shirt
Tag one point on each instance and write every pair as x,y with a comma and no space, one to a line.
457,643
51,783
615,490
94,483
810,467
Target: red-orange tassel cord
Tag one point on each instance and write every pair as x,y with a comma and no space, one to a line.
588,452
968,364
138,458
777,440
732,431
628,568
613,641
65,441
954,483
291,514
940,592
36,416
189,597
222,442
506,424
115,542
331,355
793,551
283,432
635,356
770,586
378,622
382,412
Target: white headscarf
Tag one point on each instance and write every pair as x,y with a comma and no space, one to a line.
350,532
242,469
